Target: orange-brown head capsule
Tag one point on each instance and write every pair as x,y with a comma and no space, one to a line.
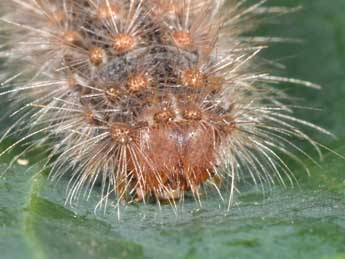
97,56
137,83
182,39
123,42
193,78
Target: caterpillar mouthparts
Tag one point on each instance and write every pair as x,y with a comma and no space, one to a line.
152,99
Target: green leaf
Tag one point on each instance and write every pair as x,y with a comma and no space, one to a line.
302,222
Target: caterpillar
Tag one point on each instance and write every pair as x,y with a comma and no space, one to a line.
149,99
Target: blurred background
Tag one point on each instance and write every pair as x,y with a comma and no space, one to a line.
307,221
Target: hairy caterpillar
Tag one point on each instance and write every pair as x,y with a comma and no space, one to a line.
151,98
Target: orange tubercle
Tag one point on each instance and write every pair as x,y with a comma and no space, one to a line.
123,42
137,83
193,78
174,157
97,56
